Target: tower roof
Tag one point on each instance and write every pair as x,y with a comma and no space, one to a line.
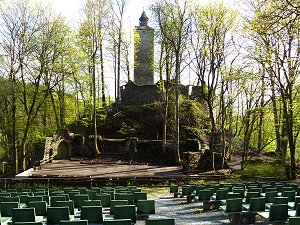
143,19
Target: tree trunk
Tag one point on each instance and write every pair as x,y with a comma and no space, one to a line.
261,115
102,74
95,106
177,68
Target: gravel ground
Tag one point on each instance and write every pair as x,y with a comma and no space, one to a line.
185,214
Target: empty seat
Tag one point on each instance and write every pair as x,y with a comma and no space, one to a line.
34,199
270,196
104,198
186,190
221,194
7,208
257,204
173,189
204,195
160,221
54,199
145,207
93,214
56,214
113,203
92,203
250,195
25,215
40,207
117,222
79,200
125,212
294,220
91,194
69,204
290,194
123,196
139,196
28,223
233,205
73,222
278,213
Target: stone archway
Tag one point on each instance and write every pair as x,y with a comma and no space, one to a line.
63,150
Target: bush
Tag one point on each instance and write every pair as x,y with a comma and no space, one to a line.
264,170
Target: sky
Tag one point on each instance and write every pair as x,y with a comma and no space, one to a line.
70,9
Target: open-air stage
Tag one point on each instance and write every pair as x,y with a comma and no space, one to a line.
65,171
75,170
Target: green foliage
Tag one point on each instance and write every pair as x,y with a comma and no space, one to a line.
127,130
193,119
265,170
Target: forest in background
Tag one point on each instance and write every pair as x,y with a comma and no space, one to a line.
246,63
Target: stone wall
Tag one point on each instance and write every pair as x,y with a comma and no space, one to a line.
132,94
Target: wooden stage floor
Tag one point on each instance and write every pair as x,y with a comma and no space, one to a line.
65,168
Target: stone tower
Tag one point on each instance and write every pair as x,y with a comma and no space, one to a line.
143,52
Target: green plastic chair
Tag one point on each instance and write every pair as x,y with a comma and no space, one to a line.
56,214
186,190
97,189
117,222
73,193
23,198
233,205
5,194
123,196
221,194
40,207
257,204
91,194
69,204
28,223
278,212
104,198
173,189
79,200
12,199
7,208
73,222
46,198
145,207
34,199
271,189
125,212
297,210
280,200
250,195
269,196
82,190
92,203
204,195
297,200
287,189
25,215
54,199
139,196
93,214
290,194
113,203
232,195
111,192
254,189
160,221
240,191
294,220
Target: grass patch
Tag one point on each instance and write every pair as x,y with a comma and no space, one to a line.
264,170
